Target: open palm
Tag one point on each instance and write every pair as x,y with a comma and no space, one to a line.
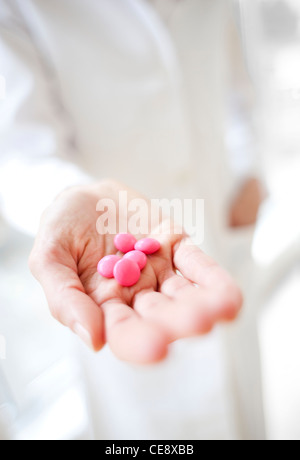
181,291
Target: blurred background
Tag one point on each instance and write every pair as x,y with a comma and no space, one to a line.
42,389
270,30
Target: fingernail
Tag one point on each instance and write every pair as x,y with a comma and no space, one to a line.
84,335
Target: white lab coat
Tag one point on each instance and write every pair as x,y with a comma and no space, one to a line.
108,86
135,90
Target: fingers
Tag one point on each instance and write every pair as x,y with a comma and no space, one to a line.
130,337
204,271
195,302
68,302
182,315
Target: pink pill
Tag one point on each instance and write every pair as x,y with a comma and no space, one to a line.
137,256
127,272
147,245
124,242
106,265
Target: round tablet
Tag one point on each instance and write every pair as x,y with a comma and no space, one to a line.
147,245
124,242
106,265
127,272
137,256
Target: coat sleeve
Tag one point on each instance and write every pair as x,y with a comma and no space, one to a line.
37,142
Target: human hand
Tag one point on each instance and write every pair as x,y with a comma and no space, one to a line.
140,321
245,208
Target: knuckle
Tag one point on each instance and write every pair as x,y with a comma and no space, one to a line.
150,302
50,252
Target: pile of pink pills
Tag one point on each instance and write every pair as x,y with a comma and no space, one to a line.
127,269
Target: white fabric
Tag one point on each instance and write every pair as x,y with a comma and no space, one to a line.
107,85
